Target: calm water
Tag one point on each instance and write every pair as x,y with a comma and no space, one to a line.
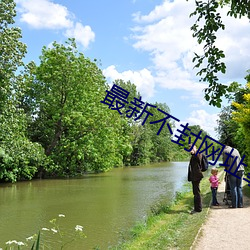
104,204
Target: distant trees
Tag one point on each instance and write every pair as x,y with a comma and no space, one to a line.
227,127
146,145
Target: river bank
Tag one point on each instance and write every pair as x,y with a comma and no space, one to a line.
171,227
174,228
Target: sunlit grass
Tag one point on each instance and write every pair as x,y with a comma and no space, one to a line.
170,226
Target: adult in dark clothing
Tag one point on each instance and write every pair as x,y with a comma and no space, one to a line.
195,175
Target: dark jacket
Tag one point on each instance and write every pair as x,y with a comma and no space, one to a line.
194,169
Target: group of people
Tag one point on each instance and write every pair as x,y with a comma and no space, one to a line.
231,161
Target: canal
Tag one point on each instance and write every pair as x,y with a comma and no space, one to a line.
105,204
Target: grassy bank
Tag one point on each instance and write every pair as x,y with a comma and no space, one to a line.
246,190
170,226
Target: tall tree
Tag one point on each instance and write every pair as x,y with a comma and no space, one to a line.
19,157
241,114
77,131
208,23
12,51
229,129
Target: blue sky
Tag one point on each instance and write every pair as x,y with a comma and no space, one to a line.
148,42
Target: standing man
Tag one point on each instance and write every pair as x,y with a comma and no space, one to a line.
235,171
195,175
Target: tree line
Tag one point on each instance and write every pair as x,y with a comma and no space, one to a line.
53,123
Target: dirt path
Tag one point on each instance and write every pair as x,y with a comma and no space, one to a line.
225,228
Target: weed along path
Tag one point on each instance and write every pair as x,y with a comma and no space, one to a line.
225,228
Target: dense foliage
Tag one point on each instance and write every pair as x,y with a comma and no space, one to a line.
19,157
53,117
52,121
241,115
234,121
65,113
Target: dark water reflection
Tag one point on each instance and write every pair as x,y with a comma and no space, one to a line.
104,204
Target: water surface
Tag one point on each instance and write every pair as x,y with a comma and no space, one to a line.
104,204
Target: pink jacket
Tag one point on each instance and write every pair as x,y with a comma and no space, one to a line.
214,181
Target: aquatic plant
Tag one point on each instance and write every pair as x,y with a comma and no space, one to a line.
48,237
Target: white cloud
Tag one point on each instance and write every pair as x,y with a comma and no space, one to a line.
176,79
234,41
165,33
44,14
167,37
143,79
159,12
206,121
83,34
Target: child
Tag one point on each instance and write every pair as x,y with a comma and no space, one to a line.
214,185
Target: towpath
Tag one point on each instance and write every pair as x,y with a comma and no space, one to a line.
225,228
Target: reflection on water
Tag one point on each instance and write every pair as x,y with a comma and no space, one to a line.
104,204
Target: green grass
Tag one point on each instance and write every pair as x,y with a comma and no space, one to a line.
246,190
170,226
